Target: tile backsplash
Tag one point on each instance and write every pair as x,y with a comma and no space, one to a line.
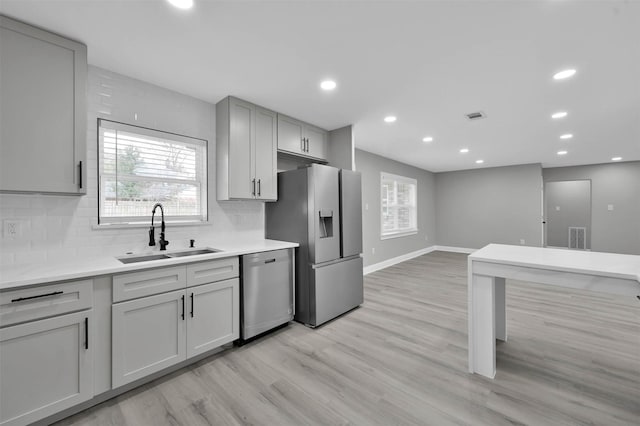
52,227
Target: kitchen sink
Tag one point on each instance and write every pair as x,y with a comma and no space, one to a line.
193,252
148,257
144,258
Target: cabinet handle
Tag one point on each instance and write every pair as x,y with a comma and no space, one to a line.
307,142
253,191
183,307
80,174
259,188
20,299
269,261
86,333
191,305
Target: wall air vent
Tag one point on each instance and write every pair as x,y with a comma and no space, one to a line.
475,115
577,237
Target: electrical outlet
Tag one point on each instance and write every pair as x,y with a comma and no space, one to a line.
426,237
366,206
610,207
521,241
12,228
373,250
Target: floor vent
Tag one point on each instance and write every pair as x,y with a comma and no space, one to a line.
577,237
475,115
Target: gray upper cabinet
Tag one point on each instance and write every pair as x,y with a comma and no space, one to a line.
246,144
43,136
299,138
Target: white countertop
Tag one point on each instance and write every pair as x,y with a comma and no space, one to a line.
625,266
24,275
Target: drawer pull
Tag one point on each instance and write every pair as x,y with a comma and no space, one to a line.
20,299
86,333
269,261
183,307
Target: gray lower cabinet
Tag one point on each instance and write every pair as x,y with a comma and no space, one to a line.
246,151
302,139
148,335
154,332
43,137
213,315
46,366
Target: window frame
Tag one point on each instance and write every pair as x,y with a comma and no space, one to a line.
396,233
201,181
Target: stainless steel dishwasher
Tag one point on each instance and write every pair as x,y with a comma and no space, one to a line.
266,292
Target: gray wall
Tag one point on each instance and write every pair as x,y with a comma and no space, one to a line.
370,165
493,205
567,204
616,184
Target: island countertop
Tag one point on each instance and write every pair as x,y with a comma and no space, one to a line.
624,266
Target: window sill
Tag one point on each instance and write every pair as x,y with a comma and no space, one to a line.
399,234
106,226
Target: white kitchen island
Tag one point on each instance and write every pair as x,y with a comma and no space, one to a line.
491,265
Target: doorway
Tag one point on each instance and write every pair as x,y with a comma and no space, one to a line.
568,214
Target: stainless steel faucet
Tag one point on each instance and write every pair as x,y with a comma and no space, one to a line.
152,239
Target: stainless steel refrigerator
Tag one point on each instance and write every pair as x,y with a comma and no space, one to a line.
320,207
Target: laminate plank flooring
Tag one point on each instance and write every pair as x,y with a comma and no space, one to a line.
572,358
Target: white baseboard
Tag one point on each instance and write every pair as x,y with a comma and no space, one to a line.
399,259
395,260
454,249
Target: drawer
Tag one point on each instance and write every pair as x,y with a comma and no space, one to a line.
149,282
45,301
211,271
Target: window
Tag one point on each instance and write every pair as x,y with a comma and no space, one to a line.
139,167
399,206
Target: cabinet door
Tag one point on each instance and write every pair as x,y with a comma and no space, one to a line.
213,317
43,103
241,159
316,142
148,335
290,134
266,160
46,366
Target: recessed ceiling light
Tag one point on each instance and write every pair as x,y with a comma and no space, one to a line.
328,85
390,119
479,161
464,150
182,4
562,152
427,139
560,114
616,158
564,74
566,136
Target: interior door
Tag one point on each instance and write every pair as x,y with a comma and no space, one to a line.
568,205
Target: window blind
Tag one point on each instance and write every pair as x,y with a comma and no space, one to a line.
398,205
139,167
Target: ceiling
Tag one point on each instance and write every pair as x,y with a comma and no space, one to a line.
426,62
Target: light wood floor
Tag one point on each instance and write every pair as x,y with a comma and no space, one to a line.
572,358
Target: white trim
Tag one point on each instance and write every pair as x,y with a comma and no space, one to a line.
395,260
399,234
455,249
